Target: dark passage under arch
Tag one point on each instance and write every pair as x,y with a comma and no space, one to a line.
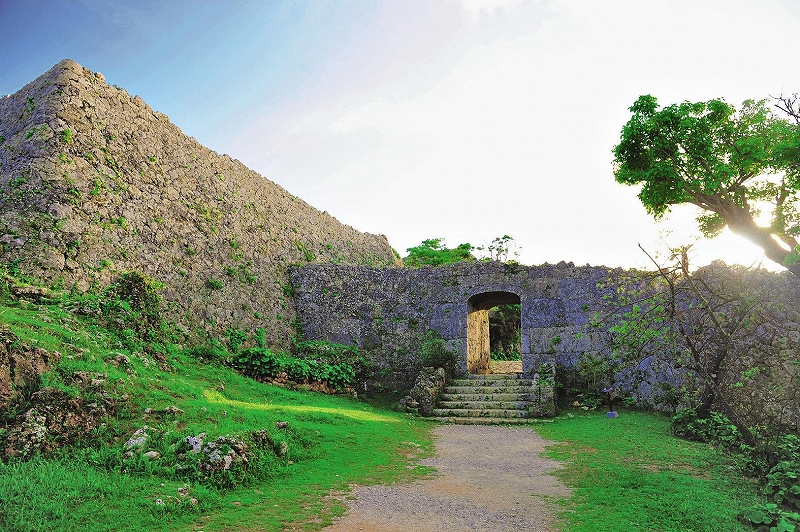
478,344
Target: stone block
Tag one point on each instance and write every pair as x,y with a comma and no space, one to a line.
531,362
543,313
543,288
546,339
450,328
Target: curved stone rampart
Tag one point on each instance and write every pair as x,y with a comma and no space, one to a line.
95,183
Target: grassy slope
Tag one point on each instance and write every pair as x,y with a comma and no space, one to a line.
630,473
332,441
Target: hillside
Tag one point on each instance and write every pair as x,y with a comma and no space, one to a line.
94,183
112,439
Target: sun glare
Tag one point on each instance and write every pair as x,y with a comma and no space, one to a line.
361,415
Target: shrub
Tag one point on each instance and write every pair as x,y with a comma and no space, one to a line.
323,350
434,354
333,354
296,369
770,517
500,355
214,284
256,362
337,376
787,448
260,362
211,352
783,484
133,303
715,428
236,338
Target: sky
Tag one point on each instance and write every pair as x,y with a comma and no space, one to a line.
459,119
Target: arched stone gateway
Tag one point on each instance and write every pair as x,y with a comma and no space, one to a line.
398,315
478,345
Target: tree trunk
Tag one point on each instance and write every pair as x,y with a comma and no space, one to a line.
741,223
706,402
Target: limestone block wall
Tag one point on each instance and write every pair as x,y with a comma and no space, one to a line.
388,313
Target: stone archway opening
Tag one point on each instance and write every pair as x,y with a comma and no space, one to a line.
479,338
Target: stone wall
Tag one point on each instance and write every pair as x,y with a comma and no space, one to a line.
388,312
93,183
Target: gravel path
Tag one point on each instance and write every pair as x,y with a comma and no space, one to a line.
488,479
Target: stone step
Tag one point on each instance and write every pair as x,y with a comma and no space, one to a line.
491,382
494,377
488,399
488,420
485,396
486,389
489,412
484,405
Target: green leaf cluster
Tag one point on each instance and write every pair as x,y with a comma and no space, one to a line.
134,302
433,353
783,484
685,152
335,354
715,428
770,518
261,362
434,252
734,164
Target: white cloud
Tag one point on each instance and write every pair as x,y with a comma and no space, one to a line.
516,137
486,8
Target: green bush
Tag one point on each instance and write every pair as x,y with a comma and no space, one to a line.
500,355
214,284
211,352
256,362
770,518
236,338
333,354
325,351
715,428
338,376
296,369
133,303
787,448
434,354
260,362
783,484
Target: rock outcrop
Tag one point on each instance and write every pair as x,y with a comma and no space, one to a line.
20,364
94,183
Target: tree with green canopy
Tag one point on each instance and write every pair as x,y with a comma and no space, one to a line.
733,164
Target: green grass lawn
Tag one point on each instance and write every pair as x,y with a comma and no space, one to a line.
332,441
631,473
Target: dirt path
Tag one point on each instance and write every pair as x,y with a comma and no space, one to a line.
488,479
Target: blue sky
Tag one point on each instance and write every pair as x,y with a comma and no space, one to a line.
463,119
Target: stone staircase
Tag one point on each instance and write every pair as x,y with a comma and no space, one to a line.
491,399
